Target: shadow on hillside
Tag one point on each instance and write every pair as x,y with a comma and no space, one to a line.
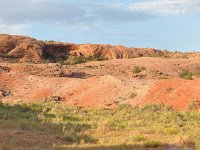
44,119
80,75
128,147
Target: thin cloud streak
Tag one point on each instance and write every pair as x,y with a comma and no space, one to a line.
47,11
167,7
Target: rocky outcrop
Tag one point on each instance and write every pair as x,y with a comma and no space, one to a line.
28,49
57,50
21,47
62,50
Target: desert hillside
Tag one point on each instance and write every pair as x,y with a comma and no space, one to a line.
99,75
69,96
126,75
26,49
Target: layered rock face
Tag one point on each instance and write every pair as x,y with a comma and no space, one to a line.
28,49
24,48
114,52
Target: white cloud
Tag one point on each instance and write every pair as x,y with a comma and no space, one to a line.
21,29
28,11
167,7
48,11
23,12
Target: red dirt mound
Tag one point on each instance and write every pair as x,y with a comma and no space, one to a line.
175,92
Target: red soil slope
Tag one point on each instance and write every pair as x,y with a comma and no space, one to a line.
175,92
102,83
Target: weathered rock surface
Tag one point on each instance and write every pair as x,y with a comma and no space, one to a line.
27,49
21,47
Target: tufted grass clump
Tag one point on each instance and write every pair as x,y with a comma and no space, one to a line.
138,69
185,74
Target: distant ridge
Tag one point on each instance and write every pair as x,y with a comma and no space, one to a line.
27,49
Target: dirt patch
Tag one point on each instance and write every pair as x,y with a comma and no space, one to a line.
174,92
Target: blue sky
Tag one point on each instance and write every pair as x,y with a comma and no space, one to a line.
161,24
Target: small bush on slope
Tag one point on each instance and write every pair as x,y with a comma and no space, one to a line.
72,60
185,74
138,69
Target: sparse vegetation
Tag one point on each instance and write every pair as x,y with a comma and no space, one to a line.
152,144
139,138
72,60
8,58
150,126
196,74
138,69
132,95
185,74
193,105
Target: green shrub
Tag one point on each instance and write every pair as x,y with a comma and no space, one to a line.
152,144
6,55
139,138
72,60
185,74
138,69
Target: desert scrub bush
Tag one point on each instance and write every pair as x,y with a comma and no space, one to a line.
139,138
152,144
72,60
193,105
196,74
185,74
156,107
132,95
138,69
6,55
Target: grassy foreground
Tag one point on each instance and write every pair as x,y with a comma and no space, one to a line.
54,126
